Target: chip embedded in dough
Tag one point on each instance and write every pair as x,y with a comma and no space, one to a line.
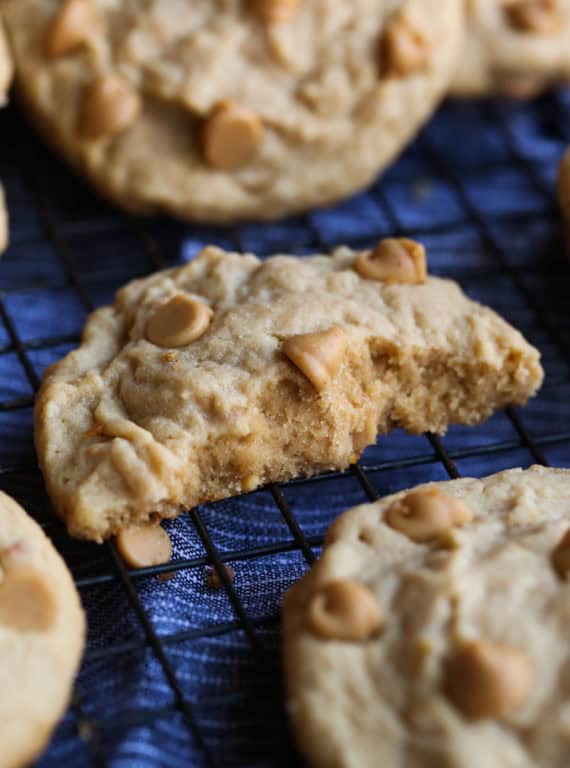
42,632
229,109
297,365
469,667
515,48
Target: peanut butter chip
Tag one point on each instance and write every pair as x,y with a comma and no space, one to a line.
485,679
274,11
71,27
427,513
27,602
144,545
110,105
534,16
344,610
317,355
404,50
561,556
231,136
394,260
178,322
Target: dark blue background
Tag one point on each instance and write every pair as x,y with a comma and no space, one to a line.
477,188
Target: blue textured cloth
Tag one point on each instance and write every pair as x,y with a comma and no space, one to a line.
478,188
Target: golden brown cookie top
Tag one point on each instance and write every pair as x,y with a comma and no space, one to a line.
41,635
222,109
467,661
514,47
217,376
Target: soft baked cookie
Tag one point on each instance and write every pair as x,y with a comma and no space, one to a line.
564,194
41,636
224,109
230,372
434,629
514,47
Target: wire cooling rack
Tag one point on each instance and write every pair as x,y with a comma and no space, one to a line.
177,673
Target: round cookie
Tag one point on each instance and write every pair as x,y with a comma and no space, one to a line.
514,47
564,194
41,636
221,110
434,629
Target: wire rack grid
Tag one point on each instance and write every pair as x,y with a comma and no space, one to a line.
176,673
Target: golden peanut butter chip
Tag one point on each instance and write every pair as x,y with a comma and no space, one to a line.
394,260
344,610
110,105
231,135
71,27
274,11
141,546
317,355
27,602
485,680
426,514
534,16
561,556
214,580
178,322
404,50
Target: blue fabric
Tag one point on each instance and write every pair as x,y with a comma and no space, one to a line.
478,188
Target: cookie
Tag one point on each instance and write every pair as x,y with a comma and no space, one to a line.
42,632
564,194
514,47
221,110
219,376
433,630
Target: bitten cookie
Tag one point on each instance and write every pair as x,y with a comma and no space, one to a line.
514,47
564,194
41,636
224,109
216,377
434,629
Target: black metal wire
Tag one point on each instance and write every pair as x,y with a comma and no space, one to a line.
58,236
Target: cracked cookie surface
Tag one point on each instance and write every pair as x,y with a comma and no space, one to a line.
453,649
230,372
514,47
41,636
225,109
